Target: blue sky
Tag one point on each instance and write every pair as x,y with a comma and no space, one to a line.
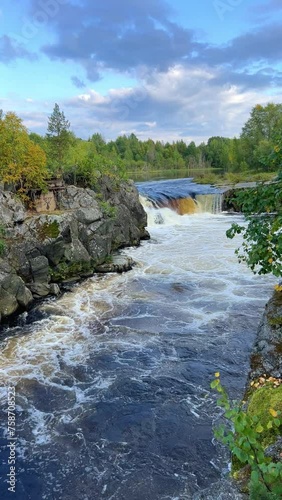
162,69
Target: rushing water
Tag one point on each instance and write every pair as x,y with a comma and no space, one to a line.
112,381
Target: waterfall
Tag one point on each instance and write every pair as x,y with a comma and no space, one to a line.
181,196
169,212
210,203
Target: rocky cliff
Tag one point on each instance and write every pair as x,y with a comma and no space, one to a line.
267,352
264,386
39,252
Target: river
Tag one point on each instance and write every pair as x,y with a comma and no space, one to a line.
112,379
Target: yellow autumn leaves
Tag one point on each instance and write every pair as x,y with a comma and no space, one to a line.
22,162
262,381
274,413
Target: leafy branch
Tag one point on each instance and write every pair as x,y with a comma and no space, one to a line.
262,236
243,435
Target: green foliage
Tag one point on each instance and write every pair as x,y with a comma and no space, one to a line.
83,162
58,140
262,237
107,209
22,162
253,150
67,270
243,436
259,136
48,230
260,401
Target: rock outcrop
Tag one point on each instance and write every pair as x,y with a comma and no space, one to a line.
264,385
41,251
266,357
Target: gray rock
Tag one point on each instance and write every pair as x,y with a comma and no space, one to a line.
5,267
119,264
15,286
99,248
275,450
54,289
55,251
88,215
19,215
24,297
266,355
40,269
11,283
74,197
12,209
39,290
76,252
79,234
8,303
6,216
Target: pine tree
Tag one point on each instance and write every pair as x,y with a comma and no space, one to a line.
59,140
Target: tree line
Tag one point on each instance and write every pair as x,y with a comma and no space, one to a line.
27,160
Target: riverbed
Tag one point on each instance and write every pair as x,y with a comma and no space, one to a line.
112,380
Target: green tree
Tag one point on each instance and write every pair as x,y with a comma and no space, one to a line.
99,143
22,163
39,140
262,237
59,140
76,156
217,152
259,135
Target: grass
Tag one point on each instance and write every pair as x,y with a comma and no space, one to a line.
203,176
234,178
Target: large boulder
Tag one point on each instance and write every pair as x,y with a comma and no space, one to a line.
50,248
74,197
125,196
12,209
13,294
267,352
40,269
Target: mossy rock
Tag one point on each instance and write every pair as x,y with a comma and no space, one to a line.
66,270
48,230
261,401
275,321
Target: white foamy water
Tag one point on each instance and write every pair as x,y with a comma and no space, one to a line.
142,342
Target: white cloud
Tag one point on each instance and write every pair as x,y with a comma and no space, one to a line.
188,103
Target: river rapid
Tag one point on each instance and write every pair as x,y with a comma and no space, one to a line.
112,379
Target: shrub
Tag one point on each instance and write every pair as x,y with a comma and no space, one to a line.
244,434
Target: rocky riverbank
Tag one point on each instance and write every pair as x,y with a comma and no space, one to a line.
266,358
264,389
42,252
263,392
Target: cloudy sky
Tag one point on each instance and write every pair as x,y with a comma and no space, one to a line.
174,69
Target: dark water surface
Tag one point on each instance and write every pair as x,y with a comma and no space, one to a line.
112,383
